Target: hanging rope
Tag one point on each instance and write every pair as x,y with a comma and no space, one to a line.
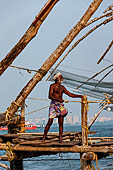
23,68
32,98
95,157
9,152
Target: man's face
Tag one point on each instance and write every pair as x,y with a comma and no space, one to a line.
60,79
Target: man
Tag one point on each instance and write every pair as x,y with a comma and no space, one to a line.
57,109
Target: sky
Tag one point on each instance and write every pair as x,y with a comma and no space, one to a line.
15,18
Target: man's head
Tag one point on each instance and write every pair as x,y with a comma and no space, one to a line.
58,77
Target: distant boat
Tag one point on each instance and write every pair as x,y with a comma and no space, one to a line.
3,128
30,126
27,127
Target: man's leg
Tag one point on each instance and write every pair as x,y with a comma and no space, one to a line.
49,123
60,121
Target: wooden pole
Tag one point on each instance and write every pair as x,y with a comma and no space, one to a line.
84,109
96,115
22,129
102,57
18,164
28,36
53,58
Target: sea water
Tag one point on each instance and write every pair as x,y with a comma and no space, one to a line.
68,161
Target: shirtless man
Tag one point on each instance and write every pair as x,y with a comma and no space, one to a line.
57,109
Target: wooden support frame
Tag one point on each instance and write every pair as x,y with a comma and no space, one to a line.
84,109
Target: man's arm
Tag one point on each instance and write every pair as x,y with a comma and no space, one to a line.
72,94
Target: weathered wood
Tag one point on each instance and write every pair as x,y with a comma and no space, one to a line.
2,118
28,36
84,108
1,140
22,124
85,165
56,149
5,166
104,143
101,138
21,137
54,134
74,149
89,156
53,57
3,158
49,143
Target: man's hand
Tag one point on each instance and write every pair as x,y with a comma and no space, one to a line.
66,101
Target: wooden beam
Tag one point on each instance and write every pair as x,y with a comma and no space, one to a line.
5,166
84,108
22,123
28,36
74,149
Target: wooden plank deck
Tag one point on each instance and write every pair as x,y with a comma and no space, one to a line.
26,142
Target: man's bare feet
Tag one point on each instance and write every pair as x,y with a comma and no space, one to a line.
60,140
44,138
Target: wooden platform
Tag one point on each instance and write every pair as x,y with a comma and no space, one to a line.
32,142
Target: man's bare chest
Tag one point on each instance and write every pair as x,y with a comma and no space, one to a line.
58,89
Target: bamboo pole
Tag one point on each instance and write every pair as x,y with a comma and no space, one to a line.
53,57
28,36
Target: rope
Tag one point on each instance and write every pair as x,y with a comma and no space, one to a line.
96,158
75,101
32,98
92,166
16,104
85,128
38,110
22,68
9,152
54,104
9,117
